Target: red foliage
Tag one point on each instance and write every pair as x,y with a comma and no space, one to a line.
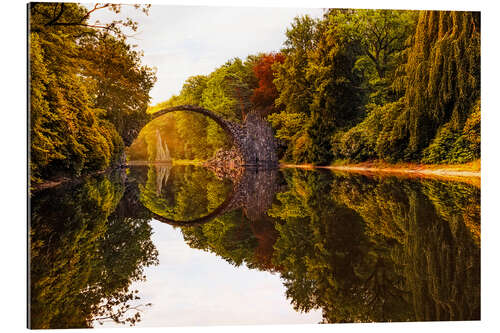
264,95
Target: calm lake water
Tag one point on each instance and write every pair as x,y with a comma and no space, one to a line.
179,246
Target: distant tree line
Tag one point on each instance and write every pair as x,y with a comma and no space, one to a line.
231,90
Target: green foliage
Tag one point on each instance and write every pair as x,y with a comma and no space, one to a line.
229,89
88,92
377,136
318,146
120,83
85,251
382,37
378,249
289,130
359,142
337,98
377,84
335,70
294,88
452,146
442,75
317,83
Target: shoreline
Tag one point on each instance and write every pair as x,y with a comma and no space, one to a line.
469,172
355,167
172,162
62,180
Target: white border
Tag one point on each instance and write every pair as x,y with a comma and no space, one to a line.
13,138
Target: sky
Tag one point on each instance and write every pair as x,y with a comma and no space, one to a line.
182,41
191,287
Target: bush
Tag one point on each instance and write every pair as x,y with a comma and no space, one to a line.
452,146
393,138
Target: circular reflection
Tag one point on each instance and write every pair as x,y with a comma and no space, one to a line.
184,195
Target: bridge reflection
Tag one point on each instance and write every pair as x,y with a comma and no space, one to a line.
253,192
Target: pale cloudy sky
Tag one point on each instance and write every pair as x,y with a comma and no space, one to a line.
181,41
195,288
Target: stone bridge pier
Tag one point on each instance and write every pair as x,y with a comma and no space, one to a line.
253,139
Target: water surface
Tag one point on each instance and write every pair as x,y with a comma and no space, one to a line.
276,247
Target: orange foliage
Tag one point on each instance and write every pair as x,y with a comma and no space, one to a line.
264,95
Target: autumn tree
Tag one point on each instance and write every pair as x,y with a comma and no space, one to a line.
80,116
264,96
120,83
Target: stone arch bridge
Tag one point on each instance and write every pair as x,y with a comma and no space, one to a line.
253,139
253,190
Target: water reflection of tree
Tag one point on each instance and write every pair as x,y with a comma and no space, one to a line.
87,247
379,249
245,235
328,261
362,249
186,193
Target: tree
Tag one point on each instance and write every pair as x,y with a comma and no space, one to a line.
441,77
382,36
120,84
67,134
295,91
75,109
265,94
228,90
430,90
338,100
54,15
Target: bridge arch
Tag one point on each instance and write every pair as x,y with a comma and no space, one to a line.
254,139
232,201
233,130
221,209
255,142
